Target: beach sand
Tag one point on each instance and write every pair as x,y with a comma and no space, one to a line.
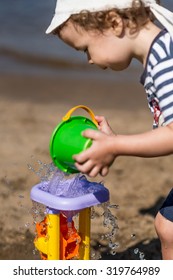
30,109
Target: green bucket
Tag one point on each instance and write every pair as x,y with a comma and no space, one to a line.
67,139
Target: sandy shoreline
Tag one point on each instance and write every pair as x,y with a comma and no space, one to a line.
30,108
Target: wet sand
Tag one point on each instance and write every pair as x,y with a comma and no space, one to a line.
30,109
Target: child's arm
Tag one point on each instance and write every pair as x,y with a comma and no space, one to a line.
106,147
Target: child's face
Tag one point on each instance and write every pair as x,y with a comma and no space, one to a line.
105,50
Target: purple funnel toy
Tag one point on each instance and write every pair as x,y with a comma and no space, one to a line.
70,194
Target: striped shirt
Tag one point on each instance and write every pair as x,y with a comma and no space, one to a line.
157,79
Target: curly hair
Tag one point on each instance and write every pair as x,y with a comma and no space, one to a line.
133,18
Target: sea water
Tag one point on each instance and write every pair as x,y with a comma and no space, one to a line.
26,49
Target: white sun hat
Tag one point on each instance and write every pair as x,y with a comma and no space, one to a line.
65,8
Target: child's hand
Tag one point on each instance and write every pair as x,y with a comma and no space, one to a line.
103,125
98,158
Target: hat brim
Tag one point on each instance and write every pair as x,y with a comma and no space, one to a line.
57,21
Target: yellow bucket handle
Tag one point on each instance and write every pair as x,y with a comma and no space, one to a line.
68,114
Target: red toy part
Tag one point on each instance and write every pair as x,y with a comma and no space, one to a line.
70,240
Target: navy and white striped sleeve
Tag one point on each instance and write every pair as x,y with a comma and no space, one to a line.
163,80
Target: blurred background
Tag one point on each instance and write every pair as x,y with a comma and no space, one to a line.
40,80
26,49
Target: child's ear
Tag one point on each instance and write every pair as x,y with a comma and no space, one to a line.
117,24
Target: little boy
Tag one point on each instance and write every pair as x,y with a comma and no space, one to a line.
112,33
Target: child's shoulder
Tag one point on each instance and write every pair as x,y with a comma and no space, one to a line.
161,49
163,45
160,55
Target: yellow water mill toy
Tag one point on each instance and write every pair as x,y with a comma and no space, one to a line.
57,238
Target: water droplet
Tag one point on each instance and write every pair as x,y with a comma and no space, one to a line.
113,253
133,236
115,246
116,206
102,237
136,251
141,255
93,254
27,225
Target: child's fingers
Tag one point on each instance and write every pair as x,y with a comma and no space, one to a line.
94,172
91,133
88,168
85,167
81,157
100,119
104,171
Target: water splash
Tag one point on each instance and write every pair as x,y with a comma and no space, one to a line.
78,185
43,170
62,184
109,228
38,211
